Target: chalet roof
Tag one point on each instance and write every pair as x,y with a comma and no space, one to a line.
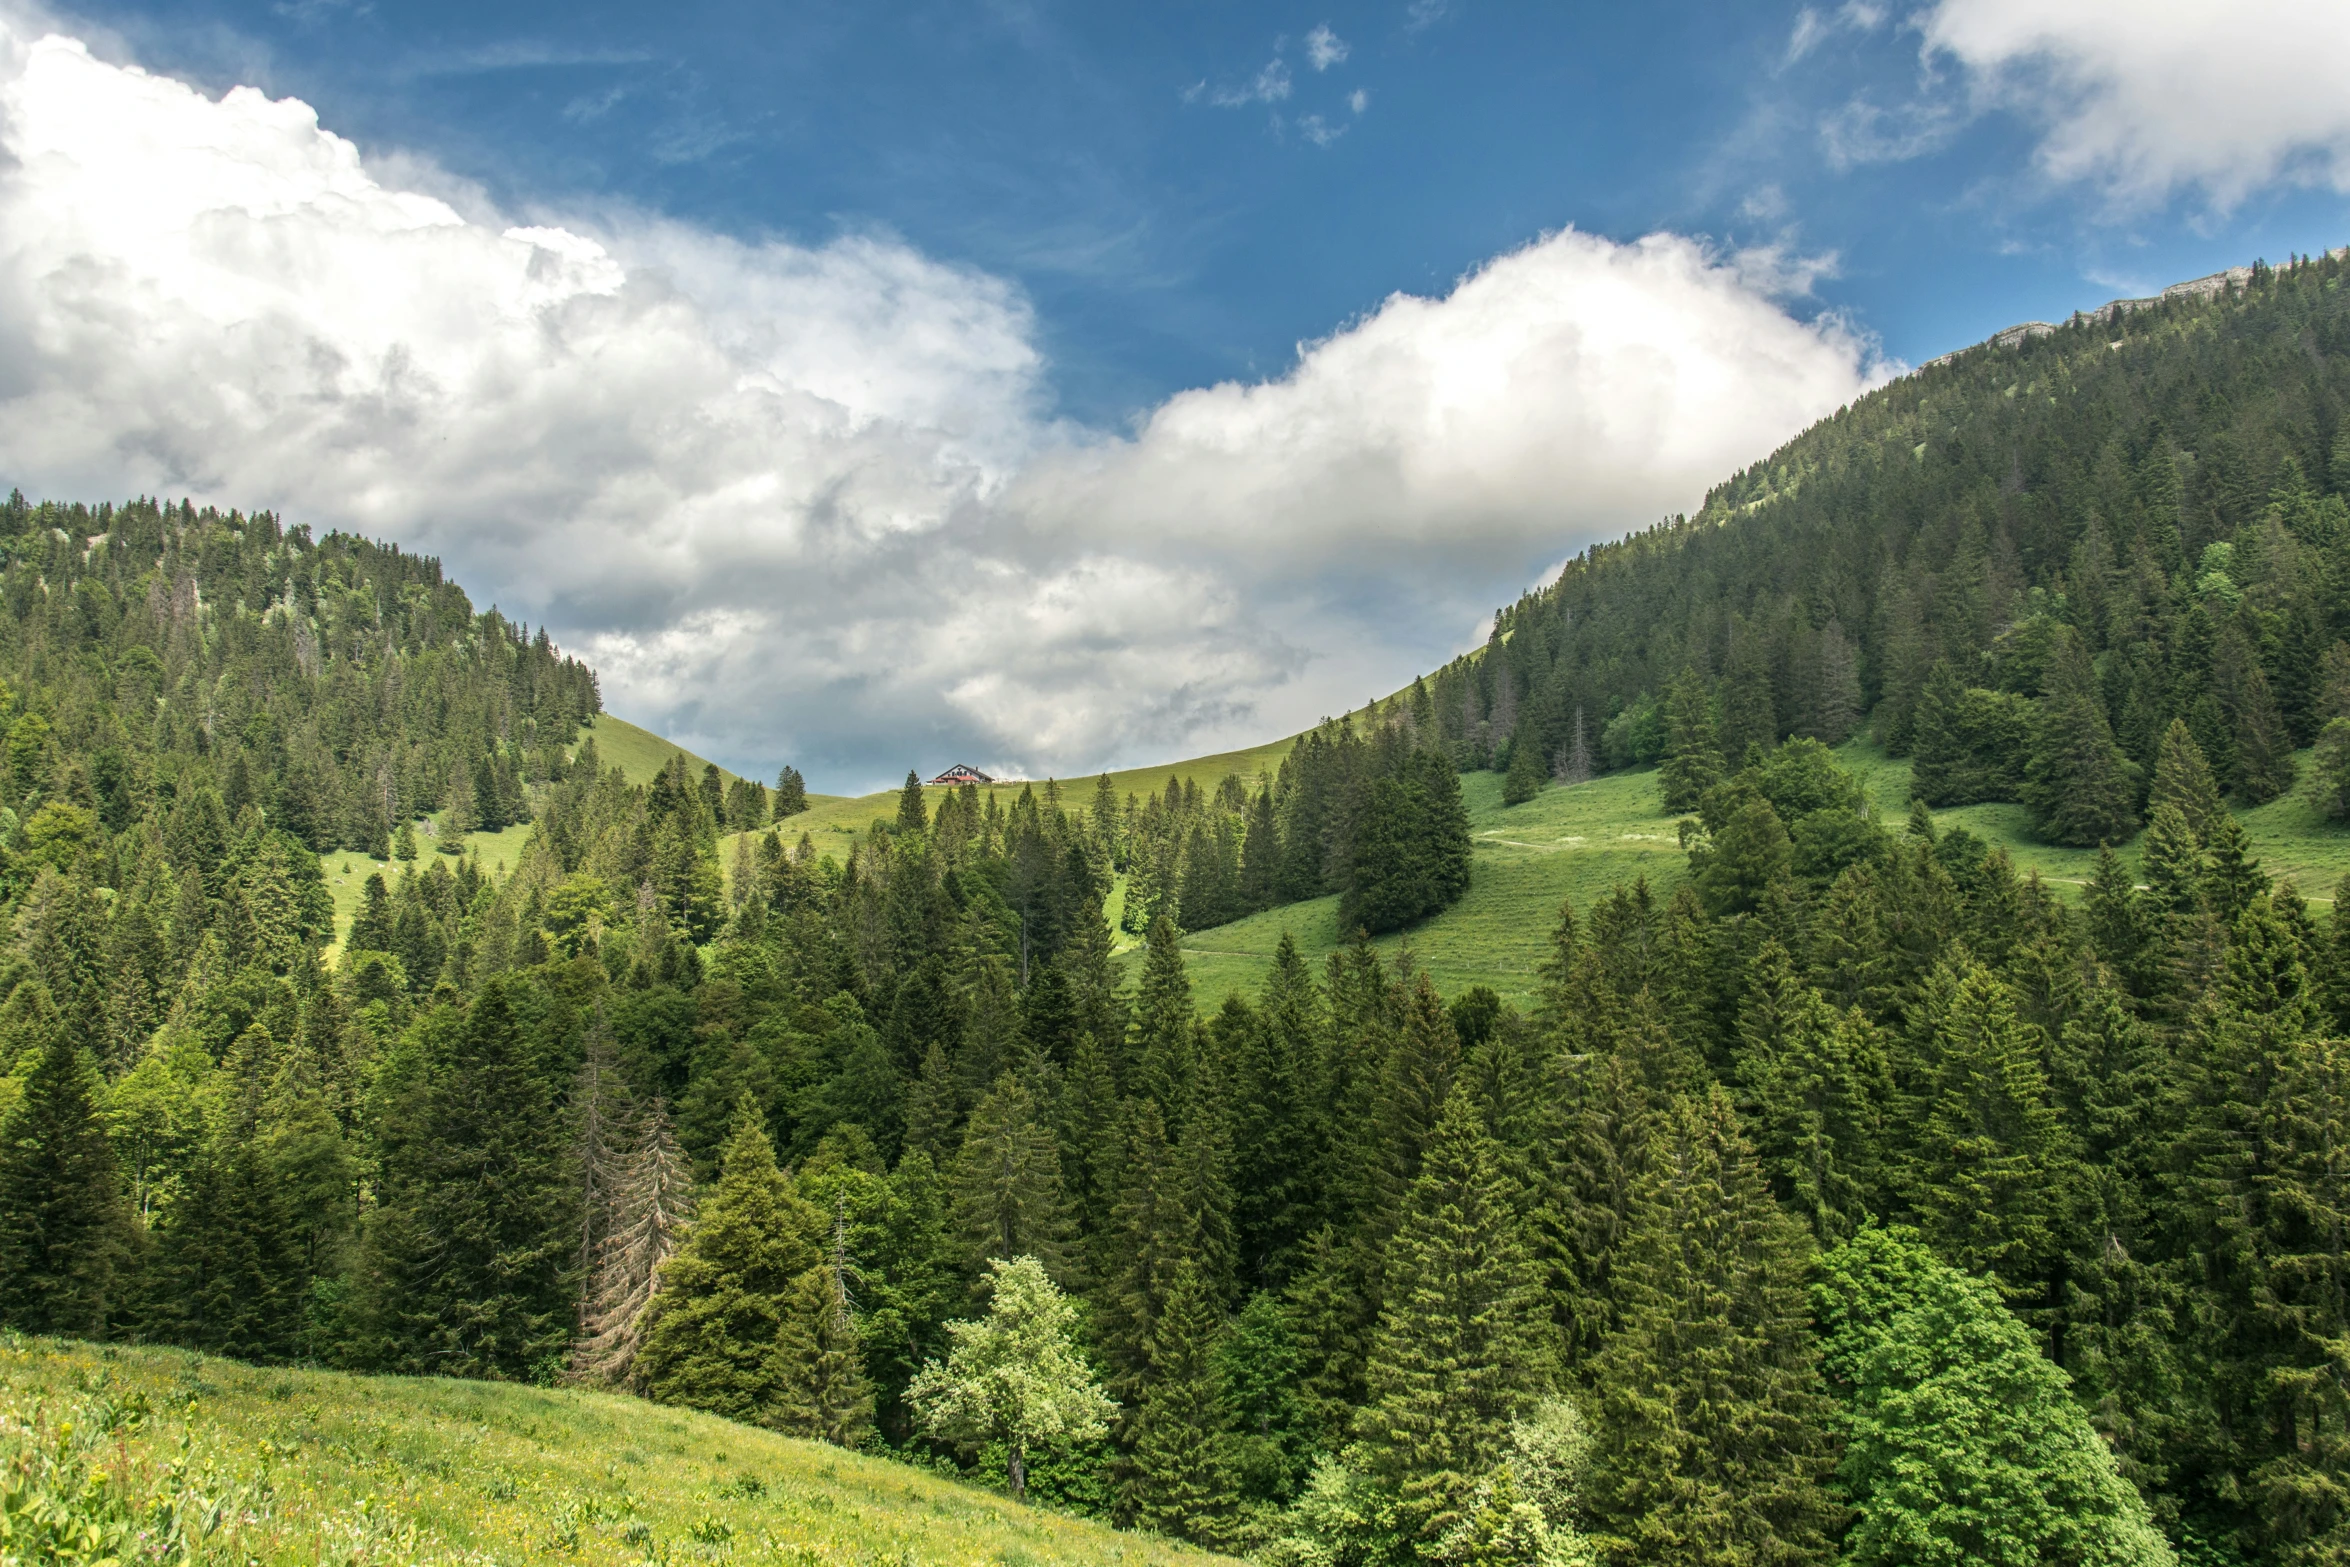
961,773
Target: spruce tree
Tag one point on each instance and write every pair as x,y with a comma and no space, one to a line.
1184,1477
62,1224
2077,782
468,1254
227,1273
651,1202
1277,1138
1460,1349
826,1396
1165,1024
2182,777
1940,756
913,815
1693,754
718,1335
1989,1156
1006,1184
1711,1444
1818,1083
1527,771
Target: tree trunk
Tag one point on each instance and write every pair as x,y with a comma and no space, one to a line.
1018,1473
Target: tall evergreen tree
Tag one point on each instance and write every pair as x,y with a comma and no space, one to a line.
1006,1183
1693,754
719,1335
1185,1482
1710,1442
62,1225
1459,1350
468,1253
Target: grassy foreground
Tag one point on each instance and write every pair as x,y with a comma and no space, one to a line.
280,1466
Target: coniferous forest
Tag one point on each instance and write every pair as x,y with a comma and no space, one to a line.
1853,1198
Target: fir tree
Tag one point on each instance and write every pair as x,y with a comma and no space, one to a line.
651,1204
1184,1478
913,815
1006,1184
2078,783
1693,754
826,1397
1458,1352
1988,1155
718,1335
1710,1445
468,1252
1527,771
62,1227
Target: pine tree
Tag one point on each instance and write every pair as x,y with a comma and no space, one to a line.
1184,1478
62,1226
2077,782
466,1269
1988,1156
1006,1184
791,793
1277,1138
826,1397
1165,1023
913,815
1940,753
1710,1439
1527,771
1693,754
1818,1083
1459,1350
2183,778
227,1273
717,1335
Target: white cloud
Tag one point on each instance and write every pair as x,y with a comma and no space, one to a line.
2150,98
1269,85
1324,48
1359,99
1318,130
799,501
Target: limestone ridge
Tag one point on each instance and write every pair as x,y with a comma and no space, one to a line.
2193,288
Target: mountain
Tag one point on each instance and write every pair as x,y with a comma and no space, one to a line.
1744,1142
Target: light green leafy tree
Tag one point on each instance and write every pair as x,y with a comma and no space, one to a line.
1015,1375
1963,1442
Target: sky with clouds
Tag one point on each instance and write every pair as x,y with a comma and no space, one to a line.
1050,386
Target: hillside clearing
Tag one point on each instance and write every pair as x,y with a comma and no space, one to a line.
315,1466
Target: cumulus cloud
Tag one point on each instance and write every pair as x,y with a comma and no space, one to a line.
2150,98
799,501
1325,48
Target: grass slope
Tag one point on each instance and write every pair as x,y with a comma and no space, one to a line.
314,1466
834,823
1576,843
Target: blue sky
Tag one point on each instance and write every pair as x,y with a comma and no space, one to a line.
1168,241
862,383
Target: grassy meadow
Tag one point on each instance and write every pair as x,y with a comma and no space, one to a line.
267,1467
1577,842
1569,842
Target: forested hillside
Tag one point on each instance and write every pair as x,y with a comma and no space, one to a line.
2020,564
1856,1199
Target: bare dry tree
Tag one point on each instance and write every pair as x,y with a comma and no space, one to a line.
654,1201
